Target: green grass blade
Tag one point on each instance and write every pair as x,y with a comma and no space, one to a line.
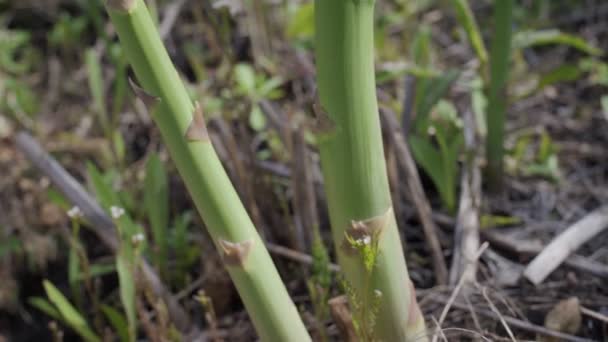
467,21
497,97
156,202
525,39
126,280
71,316
97,90
118,322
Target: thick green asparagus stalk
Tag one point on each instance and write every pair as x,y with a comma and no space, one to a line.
500,56
353,164
183,129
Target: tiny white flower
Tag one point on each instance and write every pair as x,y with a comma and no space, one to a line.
74,213
432,130
367,240
378,293
137,238
116,212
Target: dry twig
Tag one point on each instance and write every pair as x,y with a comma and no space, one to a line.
418,196
565,243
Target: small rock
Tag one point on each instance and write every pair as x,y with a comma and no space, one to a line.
564,317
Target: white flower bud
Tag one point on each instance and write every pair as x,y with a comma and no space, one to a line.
136,239
74,213
116,212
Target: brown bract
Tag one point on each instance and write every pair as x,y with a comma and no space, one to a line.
365,229
235,253
197,131
121,5
323,124
148,99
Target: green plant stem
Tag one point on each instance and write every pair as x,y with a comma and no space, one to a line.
467,20
274,315
352,160
500,56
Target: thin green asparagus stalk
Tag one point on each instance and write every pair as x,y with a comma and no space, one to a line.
182,126
500,56
353,165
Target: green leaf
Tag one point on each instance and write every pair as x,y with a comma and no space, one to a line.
245,78
67,311
527,39
119,145
118,321
489,221
156,201
521,146
269,88
390,71
73,262
16,51
302,23
467,21
563,73
126,280
58,199
98,270
434,90
549,169
71,316
546,149
96,87
25,99
430,159
103,191
479,102
421,46
257,119
46,307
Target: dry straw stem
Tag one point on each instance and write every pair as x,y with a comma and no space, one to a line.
352,160
565,244
274,315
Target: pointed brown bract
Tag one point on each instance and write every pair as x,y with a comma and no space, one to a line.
148,99
235,253
323,124
121,5
197,131
365,229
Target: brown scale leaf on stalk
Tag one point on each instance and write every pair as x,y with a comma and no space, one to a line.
323,125
148,99
121,5
235,253
197,131
360,230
